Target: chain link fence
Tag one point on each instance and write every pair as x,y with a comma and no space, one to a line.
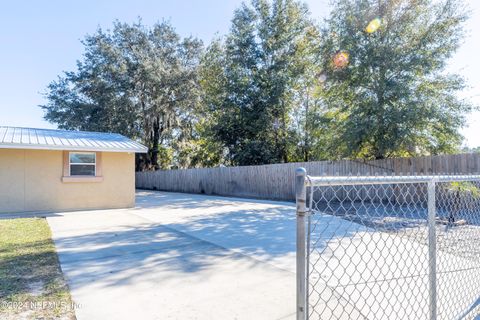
388,247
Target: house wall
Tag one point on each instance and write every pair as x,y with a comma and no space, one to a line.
31,180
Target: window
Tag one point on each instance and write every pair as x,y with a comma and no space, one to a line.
81,167
82,163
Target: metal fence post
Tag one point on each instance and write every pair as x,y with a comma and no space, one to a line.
301,200
432,251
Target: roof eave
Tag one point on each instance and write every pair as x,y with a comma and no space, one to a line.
70,148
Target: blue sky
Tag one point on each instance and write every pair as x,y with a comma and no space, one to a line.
40,39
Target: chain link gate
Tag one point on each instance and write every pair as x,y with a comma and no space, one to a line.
391,247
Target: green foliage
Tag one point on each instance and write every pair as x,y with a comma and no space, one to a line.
369,83
464,187
136,81
393,98
165,157
471,150
250,78
200,150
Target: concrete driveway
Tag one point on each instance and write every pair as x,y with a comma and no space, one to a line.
183,256
180,256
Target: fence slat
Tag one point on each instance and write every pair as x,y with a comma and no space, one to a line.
276,181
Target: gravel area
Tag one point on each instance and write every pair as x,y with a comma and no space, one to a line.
461,239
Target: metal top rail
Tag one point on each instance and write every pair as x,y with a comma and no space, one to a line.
367,180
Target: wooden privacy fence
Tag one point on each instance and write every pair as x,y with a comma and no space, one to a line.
276,181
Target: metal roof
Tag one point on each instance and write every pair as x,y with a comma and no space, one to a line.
48,139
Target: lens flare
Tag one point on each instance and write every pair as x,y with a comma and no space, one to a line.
373,25
341,59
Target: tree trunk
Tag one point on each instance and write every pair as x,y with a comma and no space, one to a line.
155,142
306,143
284,155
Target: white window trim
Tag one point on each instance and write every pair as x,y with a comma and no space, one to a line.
77,163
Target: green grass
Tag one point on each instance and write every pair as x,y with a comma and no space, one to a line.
32,285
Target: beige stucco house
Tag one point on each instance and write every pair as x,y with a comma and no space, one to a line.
57,170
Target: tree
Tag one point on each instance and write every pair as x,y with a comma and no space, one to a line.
386,92
136,81
371,83
250,79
